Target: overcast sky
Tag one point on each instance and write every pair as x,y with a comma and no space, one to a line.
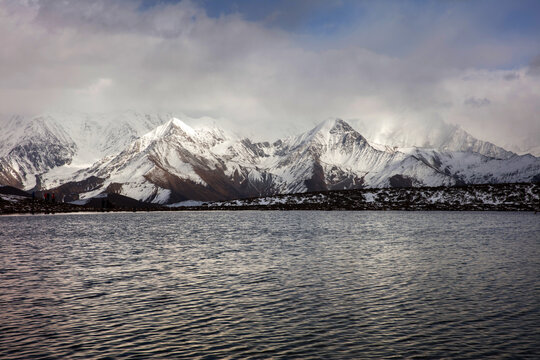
269,68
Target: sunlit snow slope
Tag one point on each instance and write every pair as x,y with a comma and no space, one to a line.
161,159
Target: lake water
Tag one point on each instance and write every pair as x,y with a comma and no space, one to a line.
285,285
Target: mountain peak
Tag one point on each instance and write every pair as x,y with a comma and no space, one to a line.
182,125
333,132
172,124
333,125
176,161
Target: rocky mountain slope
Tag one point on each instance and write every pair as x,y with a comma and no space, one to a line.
60,144
163,160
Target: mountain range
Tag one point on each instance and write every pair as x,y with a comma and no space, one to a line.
159,158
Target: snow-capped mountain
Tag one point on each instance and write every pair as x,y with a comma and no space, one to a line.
526,149
442,136
163,160
460,140
28,148
169,161
61,144
335,156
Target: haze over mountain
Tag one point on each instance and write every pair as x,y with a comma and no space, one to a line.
160,158
270,69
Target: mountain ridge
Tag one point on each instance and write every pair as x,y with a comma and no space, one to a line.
159,158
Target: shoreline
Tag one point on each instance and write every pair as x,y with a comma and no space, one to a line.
485,197
248,208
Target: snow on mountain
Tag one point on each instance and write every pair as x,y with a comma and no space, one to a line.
175,162
330,155
533,150
460,140
473,168
54,146
99,135
335,156
164,160
525,149
442,136
30,147
165,164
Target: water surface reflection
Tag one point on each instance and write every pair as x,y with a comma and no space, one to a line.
270,284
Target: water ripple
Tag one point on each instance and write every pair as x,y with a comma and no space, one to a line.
281,285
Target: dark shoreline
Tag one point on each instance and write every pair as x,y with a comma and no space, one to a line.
485,197
492,197
241,209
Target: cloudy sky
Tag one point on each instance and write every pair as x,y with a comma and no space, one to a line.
275,67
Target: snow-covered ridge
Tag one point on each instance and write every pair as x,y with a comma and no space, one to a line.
162,159
441,136
66,143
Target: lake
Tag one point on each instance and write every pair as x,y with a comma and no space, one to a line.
248,284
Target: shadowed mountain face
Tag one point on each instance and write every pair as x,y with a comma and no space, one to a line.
173,162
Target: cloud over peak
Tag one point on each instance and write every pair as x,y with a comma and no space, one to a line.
269,76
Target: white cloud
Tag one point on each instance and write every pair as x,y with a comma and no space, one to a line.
110,55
